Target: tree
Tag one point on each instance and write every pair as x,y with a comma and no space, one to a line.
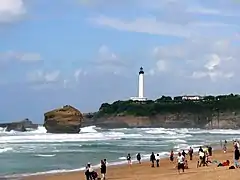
178,98
104,105
209,98
164,99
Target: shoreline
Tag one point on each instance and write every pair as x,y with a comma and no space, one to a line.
166,171
164,157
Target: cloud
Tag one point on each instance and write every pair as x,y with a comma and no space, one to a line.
106,55
151,25
11,10
27,57
43,77
214,7
108,61
143,25
78,73
200,58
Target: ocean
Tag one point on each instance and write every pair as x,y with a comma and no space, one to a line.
36,152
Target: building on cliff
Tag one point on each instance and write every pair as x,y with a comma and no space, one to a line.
193,98
140,87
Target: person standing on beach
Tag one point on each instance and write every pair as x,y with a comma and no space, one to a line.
158,160
105,161
181,161
152,159
88,172
209,150
103,169
129,159
190,152
236,157
236,144
139,158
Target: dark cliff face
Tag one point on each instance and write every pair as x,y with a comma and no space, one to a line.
222,120
63,120
21,126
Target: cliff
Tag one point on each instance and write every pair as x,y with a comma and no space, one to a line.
225,120
21,126
222,111
63,120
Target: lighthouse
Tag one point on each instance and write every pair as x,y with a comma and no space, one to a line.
140,87
140,83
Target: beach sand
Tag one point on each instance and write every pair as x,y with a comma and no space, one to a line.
166,171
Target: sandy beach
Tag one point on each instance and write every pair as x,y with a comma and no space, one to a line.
166,171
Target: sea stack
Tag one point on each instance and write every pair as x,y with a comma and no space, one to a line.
63,120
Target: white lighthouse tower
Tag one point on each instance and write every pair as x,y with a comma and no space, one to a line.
140,87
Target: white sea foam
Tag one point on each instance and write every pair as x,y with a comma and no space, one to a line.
45,155
160,131
175,141
89,129
40,135
2,150
122,158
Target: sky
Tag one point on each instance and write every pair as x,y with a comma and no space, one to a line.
87,52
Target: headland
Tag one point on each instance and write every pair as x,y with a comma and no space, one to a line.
222,111
207,112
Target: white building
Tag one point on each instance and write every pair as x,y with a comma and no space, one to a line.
193,98
140,87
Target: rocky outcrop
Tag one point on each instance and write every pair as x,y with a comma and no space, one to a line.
21,126
63,120
223,120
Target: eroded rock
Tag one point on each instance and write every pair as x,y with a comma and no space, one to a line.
63,120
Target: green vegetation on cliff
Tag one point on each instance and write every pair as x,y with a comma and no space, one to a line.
167,104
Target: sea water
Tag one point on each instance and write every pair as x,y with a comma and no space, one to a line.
38,152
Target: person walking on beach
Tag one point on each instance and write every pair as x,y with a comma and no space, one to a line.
103,169
236,157
158,160
190,152
152,159
139,158
129,159
181,161
184,153
171,156
224,148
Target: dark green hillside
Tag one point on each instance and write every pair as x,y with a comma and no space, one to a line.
167,104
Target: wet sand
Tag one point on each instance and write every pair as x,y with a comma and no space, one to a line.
166,171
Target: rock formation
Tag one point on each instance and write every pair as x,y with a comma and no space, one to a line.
21,126
63,120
